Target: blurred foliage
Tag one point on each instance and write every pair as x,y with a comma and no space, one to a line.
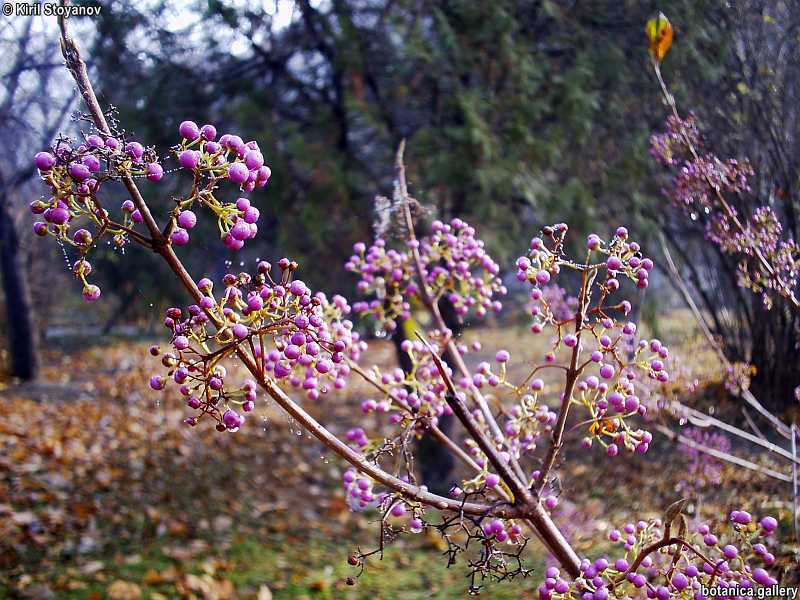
517,113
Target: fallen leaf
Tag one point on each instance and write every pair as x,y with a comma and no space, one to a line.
123,590
92,567
264,593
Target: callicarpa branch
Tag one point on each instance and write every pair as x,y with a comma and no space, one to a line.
299,346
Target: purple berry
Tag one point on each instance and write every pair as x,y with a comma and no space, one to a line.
179,237
187,219
189,159
79,171
154,171
209,132
613,263
135,150
44,161
91,293
189,130
238,173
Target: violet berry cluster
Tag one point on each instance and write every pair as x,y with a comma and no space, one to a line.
211,161
77,217
75,172
674,561
703,470
707,188
296,339
452,261
605,381
604,360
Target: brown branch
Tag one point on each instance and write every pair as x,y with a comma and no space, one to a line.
658,545
573,373
432,306
534,514
77,68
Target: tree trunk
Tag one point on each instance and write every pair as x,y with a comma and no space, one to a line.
435,461
19,309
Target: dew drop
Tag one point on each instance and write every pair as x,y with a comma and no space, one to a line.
64,254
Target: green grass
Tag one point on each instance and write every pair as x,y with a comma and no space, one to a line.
292,569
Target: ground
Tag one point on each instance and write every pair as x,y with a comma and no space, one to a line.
105,494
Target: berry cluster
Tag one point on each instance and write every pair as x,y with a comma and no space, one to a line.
211,161
706,187
703,469
655,565
453,264
75,215
609,394
296,338
385,274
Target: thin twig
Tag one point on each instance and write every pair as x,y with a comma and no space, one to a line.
573,373
432,306
747,395
540,521
702,420
721,455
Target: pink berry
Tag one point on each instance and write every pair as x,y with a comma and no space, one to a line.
154,171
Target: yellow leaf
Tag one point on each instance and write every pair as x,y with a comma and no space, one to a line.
659,35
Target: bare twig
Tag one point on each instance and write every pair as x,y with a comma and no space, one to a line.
703,420
432,306
721,455
539,520
573,373
752,424
747,395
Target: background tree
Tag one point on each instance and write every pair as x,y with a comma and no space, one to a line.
30,116
515,112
